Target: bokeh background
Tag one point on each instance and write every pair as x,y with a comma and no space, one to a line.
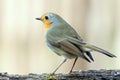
22,38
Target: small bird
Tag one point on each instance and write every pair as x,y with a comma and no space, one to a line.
62,39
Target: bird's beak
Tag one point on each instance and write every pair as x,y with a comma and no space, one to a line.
38,19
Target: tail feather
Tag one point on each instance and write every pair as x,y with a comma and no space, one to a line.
89,55
84,57
100,50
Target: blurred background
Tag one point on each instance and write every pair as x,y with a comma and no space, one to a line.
22,38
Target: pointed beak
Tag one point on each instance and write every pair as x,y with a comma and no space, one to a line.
38,18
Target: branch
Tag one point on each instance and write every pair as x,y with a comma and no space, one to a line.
76,75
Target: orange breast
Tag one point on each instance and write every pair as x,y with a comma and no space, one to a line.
46,26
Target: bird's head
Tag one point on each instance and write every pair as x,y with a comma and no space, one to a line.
50,19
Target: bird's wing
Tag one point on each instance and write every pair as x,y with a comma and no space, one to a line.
69,48
66,46
76,41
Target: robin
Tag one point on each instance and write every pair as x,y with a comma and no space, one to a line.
62,39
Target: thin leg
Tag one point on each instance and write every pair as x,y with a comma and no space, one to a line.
59,65
73,64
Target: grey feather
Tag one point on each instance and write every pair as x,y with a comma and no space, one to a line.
84,45
100,50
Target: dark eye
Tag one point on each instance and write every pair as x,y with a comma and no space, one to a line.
46,17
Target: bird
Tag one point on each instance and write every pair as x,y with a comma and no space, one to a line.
63,40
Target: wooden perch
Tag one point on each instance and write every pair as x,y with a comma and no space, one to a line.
76,75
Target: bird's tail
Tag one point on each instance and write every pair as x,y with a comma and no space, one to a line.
92,47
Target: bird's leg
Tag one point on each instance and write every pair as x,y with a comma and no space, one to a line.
73,64
59,65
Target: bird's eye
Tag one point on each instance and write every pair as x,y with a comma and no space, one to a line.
46,17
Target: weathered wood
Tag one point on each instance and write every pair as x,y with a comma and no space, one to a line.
76,75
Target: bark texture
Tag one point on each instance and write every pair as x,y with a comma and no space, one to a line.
75,75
